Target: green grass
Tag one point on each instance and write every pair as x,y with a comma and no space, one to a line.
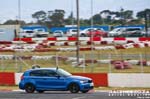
19,66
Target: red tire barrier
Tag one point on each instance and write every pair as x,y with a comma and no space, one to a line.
7,78
23,39
5,42
119,38
95,39
99,79
144,39
72,39
52,39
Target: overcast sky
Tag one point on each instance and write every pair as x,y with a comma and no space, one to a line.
9,8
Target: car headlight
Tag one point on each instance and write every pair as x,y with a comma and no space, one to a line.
84,81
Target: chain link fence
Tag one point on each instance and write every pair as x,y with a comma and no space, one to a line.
97,63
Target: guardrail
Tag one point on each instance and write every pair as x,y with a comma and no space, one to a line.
99,79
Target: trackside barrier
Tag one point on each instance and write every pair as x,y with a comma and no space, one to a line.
83,38
18,78
129,80
7,78
99,79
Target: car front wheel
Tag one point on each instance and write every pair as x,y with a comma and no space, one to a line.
74,88
29,88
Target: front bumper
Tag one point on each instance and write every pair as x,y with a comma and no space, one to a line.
87,86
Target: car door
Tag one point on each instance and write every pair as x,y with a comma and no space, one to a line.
52,80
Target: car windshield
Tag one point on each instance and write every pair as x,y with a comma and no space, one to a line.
62,72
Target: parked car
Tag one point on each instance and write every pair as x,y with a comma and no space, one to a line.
115,32
41,33
134,34
58,33
97,33
53,79
27,33
125,31
84,32
71,32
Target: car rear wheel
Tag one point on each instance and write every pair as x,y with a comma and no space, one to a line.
29,88
74,88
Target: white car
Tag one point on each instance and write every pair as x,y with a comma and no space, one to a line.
71,32
125,31
41,33
27,33
115,32
58,33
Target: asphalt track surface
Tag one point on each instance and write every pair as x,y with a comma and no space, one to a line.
62,95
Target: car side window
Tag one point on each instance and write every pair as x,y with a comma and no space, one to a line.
44,73
49,73
36,73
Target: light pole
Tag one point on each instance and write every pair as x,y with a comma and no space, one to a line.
72,20
92,46
78,28
19,9
19,16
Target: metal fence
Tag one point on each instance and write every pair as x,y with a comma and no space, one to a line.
98,63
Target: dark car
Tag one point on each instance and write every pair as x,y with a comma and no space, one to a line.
53,79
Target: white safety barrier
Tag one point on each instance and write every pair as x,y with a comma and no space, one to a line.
128,80
18,78
136,80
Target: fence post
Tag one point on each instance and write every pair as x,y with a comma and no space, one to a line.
84,63
141,63
56,59
2,64
110,63
16,61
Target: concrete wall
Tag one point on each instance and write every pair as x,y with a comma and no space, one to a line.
128,80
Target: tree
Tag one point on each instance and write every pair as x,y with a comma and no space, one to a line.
128,14
40,16
57,18
141,14
70,20
106,16
14,22
97,19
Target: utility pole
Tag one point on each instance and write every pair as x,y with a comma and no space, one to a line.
19,16
78,28
146,23
92,46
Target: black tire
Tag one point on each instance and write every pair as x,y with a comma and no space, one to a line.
29,88
84,91
74,88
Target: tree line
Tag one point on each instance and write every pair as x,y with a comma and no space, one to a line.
56,18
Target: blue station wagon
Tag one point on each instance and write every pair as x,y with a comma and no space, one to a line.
53,79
